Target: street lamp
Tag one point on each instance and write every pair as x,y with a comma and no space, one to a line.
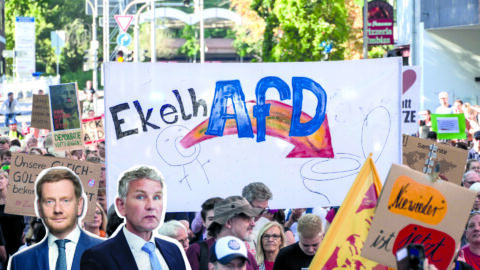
94,42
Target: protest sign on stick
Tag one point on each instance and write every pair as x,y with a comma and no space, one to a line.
414,209
24,170
449,126
93,130
41,112
451,160
65,112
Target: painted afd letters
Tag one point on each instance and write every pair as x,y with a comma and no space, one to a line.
225,90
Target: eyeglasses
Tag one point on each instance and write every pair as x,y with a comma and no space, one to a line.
470,182
3,142
273,236
477,138
474,168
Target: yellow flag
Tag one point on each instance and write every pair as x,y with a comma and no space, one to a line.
344,240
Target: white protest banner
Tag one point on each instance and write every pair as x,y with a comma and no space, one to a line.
411,77
303,129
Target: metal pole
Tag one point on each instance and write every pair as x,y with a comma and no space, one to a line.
58,60
136,53
95,44
153,45
202,36
365,29
106,31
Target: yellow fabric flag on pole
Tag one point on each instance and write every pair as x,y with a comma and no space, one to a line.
344,240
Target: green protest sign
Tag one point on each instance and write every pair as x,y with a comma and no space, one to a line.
449,126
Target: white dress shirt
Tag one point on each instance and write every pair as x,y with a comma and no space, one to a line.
74,236
141,257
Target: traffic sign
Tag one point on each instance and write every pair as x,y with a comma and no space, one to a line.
124,39
123,21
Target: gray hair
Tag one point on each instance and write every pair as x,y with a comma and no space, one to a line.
135,174
171,228
468,174
256,191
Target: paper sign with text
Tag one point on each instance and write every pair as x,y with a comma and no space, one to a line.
452,160
449,126
212,129
413,209
68,140
41,112
411,82
93,130
24,170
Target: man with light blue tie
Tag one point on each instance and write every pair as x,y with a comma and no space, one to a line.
141,199
60,202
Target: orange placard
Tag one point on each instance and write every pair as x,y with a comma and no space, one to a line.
417,201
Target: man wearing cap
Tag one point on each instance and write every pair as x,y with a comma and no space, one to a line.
445,107
141,200
299,255
13,132
228,252
9,109
233,216
474,153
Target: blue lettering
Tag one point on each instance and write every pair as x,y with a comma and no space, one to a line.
304,129
262,110
232,90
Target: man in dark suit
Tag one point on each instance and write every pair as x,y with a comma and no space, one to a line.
141,195
60,202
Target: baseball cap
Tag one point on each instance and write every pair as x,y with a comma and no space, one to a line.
230,207
227,248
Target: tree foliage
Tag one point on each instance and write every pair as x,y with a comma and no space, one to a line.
51,16
303,30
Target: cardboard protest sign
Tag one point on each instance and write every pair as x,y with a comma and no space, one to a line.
41,112
93,130
413,209
212,129
24,170
452,160
449,126
67,133
411,82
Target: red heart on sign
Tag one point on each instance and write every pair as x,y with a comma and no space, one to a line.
409,77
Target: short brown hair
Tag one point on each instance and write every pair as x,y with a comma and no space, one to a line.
309,226
54,175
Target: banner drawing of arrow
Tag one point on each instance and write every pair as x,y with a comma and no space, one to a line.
318,144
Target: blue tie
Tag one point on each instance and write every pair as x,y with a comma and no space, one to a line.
62,257
149,247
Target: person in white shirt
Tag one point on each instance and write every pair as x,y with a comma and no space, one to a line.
445,107
9,109
141,199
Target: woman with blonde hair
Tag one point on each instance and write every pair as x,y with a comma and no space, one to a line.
270,240
99,224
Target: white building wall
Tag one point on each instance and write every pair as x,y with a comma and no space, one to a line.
451,61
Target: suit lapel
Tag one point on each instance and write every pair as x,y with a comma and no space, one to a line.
41,252
83,244
122,252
